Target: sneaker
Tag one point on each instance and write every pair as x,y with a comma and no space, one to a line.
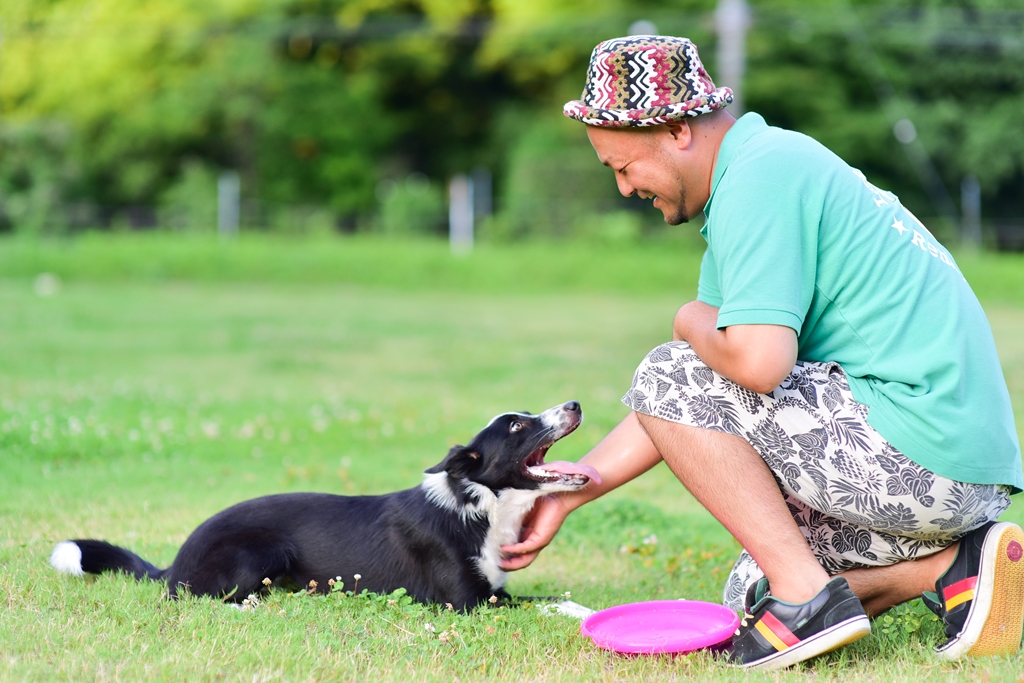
774,634
981,596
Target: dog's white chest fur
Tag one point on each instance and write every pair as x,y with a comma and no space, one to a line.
504,513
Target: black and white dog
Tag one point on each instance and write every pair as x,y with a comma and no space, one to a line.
441,540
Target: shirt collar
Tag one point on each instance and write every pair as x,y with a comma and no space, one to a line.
746,127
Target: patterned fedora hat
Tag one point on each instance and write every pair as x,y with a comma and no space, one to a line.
645,81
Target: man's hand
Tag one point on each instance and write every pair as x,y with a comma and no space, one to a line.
624,454
757,357
539,527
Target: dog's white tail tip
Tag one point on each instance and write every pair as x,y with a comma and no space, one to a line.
67,558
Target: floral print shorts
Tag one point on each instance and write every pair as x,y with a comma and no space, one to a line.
858,501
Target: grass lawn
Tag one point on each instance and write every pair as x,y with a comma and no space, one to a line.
164,380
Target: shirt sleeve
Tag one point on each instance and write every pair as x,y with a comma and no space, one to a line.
763,240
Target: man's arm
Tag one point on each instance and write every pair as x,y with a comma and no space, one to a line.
626,453
757,357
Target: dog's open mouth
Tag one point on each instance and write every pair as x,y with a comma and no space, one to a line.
535,468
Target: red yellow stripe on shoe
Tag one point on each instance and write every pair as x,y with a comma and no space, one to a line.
775,632
959,592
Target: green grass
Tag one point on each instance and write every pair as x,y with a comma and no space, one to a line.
167,379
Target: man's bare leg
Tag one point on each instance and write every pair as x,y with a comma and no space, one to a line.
728,477
881,588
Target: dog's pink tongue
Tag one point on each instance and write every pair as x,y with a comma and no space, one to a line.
563,467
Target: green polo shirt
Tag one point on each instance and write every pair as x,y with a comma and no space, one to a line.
797,237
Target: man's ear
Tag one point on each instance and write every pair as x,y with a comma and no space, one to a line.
681,133
459,462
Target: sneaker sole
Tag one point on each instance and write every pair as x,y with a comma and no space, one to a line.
838,635
994,622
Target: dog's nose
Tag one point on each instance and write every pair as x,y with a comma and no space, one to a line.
572,406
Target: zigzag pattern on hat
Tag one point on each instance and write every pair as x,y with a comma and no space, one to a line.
645,80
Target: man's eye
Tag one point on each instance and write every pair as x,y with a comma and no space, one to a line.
515,427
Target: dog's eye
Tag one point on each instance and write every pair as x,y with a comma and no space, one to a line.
515,427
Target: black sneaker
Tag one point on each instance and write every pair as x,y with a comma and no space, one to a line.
774,634
981,596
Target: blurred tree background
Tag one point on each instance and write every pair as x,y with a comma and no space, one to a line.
351,115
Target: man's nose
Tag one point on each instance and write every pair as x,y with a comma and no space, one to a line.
625,188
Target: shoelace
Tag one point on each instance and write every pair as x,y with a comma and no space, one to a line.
743,623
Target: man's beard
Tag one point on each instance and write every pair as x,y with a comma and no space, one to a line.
678,215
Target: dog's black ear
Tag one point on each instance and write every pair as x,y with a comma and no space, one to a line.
459,462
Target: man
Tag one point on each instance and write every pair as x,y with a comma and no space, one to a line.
833,396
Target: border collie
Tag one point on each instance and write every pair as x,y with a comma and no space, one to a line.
441,540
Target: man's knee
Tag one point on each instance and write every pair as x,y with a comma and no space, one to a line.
666,352
671,365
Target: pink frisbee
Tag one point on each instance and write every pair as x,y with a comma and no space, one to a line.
660,626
